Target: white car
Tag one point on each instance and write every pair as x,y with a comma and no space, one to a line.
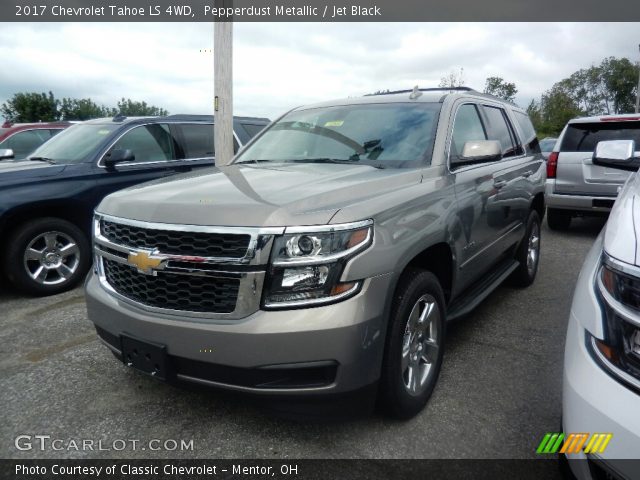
601,383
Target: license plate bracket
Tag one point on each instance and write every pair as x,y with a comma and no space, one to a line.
147,357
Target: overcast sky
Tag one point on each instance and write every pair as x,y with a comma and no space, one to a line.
279,66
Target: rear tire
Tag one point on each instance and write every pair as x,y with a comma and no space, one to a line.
414,344
558,219
46,256
528,254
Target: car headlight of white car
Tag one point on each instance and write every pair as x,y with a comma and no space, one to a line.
619,288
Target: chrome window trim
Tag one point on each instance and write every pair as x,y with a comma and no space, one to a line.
100,163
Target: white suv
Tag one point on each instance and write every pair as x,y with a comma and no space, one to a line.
601,382
575,186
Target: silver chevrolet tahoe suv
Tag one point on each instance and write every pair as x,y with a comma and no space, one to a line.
576,186
329,256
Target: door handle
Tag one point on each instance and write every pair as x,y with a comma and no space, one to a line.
498,184
528,173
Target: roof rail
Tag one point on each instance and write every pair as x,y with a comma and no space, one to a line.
432,89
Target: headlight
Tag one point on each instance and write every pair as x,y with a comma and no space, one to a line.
620,294
307,263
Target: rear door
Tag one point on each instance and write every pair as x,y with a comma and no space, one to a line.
475,187
576,174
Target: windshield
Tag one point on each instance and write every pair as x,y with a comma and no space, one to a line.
74,144
395,135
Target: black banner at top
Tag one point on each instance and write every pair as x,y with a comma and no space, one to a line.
314,11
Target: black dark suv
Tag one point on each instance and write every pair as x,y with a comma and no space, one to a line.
47,200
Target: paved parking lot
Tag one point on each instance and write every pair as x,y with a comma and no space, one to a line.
499,391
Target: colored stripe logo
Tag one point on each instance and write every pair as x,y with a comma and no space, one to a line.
574,443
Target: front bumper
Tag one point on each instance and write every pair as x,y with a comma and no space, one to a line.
581,203
594,402
322,350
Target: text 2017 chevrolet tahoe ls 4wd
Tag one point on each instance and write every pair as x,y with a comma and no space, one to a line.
329,255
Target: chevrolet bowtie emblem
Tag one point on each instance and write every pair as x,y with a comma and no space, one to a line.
147,261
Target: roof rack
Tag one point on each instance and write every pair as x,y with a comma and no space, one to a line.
432,89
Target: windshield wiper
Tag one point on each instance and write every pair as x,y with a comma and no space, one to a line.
323,160
42,159
251,161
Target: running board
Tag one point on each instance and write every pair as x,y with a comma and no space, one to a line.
479,291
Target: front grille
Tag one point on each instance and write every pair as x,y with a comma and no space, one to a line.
173,242
200,294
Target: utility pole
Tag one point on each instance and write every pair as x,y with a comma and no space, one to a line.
638,91
223,88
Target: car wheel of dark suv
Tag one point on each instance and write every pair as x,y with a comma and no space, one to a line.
414,346
46,256
528,253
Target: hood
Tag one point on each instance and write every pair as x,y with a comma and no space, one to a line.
623,227
251,195
11,171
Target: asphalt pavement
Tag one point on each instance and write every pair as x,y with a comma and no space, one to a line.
499,391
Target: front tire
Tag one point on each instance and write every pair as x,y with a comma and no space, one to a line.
528,254
414,345
46,256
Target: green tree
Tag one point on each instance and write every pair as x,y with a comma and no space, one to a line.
498,87
557,108
132,108
31,107
83,109
452,79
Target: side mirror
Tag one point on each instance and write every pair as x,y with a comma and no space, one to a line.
118,156
6,153
618,154
479,151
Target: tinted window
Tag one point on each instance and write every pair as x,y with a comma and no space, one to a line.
528,131
149,143
500,130
25,142
253,130
583,137
467,127
547,144
392,135
197,140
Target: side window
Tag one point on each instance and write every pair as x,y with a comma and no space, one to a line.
25,142
197,140
467,127
500,130
530,138
149,143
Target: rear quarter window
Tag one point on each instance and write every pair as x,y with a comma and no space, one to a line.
529,137
252,129
583,137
